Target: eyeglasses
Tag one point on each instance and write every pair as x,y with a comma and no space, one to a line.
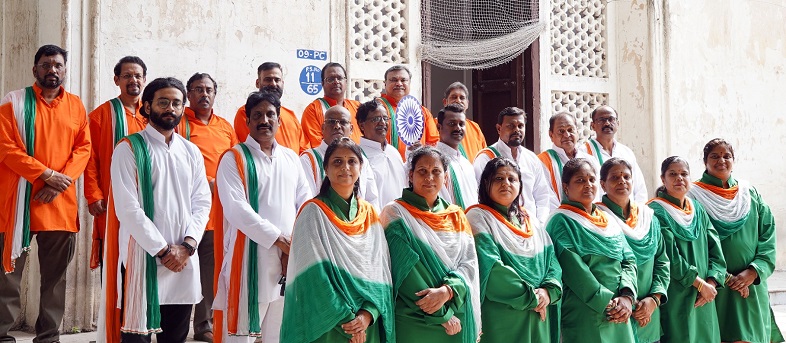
333,122
610,120
47,66
335,79
200,90
397,80
379,119
164,103
132,76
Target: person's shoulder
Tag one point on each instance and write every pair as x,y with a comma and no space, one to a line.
102,110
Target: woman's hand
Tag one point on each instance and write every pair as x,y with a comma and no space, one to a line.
452,326
742,281
707,292
644,310
619,310
358,325
543,301
432,299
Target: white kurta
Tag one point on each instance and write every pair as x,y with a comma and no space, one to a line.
465,173
639,191
537,196
580,153
368,185
181,203
388,169
282,190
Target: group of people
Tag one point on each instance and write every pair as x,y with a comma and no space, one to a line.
331,229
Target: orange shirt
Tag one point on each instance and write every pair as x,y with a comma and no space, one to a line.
314,116
213,139
430,132
473,141
289,133
62,143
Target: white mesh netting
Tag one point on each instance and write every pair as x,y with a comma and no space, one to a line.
477,34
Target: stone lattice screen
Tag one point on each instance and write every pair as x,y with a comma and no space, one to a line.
580,105
364,90
579,59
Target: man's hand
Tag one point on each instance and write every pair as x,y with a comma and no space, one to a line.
177,258
96,208
58,181
46,195
284,264
283,243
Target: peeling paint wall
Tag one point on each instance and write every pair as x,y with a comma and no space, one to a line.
726,78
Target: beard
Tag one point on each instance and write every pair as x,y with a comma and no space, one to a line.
44,82
276,90
133,92
157,119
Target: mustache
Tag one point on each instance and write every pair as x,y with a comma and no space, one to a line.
457,132
204,98
264,126
607,127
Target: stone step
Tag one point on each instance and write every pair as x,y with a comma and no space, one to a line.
777,288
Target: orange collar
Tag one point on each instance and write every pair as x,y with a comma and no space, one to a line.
526,227
358,226
726,193
597,217
451,219
688,204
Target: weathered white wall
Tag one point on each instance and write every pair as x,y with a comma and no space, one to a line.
724,70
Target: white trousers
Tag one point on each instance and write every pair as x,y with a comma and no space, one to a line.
272,315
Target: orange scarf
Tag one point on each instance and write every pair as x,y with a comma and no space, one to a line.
726,193
526,227
365,218
451,219
597,217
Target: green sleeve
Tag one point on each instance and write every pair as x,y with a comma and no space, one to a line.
717,266
416,282
552,282
660,273
505,286
460,290
764,260
372,309
628,278
681,270
577,276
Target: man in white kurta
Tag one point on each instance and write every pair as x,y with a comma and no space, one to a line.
461,186
536,194
605,123
337,124
282,188
564,138
181,206
384,160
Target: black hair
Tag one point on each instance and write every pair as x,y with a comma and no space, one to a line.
595,111
487,178
255,98
510,111
455,108
573,166
416,155
199,76
397,67
365,109
611,163
156,85
338,143
130,60
553,119
50,50
712,144
664,167
267,66
332,65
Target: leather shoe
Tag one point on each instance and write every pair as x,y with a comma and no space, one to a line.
206,336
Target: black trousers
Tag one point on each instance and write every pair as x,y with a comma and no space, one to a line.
174,322
55,252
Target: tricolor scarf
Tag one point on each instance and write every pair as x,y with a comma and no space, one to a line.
393,127
443,242
489,151
553,164
638,228
456,187
683,223
316,165
728,208
521,248
17,240
336,267
141,310
243,293
571,227
595,150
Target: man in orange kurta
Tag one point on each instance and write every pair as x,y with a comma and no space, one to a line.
55,126
473,141
334,85
107,127
270,78
213,135
397,80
